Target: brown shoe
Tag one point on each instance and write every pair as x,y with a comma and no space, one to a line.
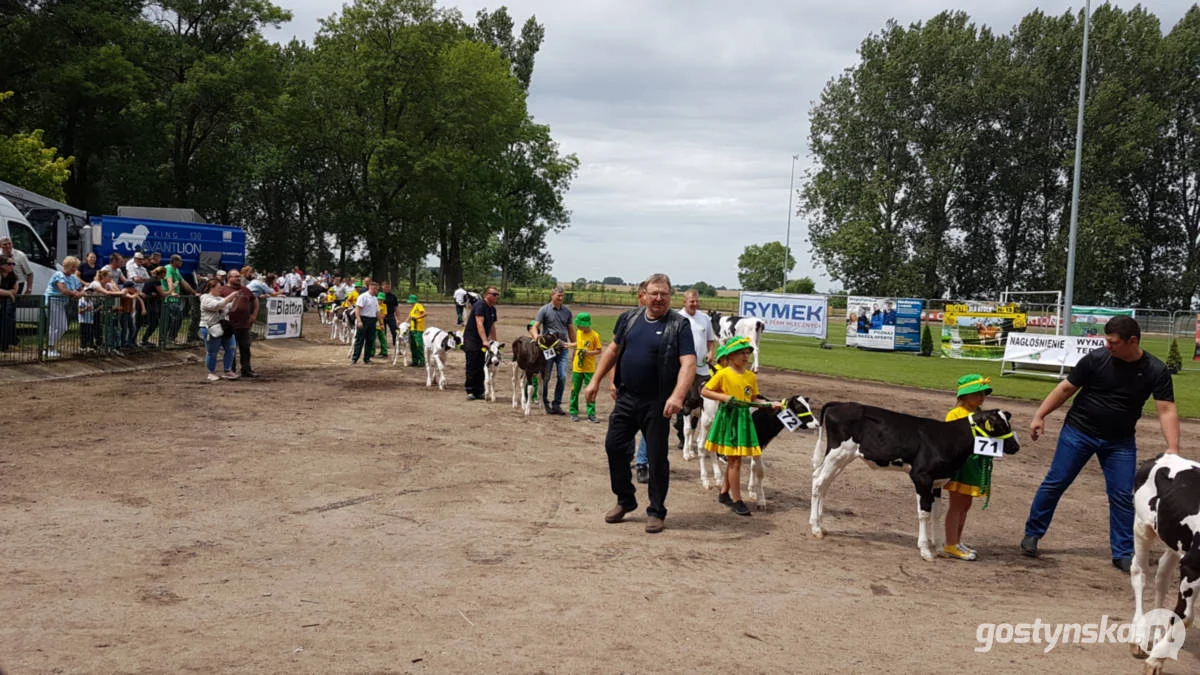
616,514
654,525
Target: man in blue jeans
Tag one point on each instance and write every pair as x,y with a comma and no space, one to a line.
1113,384
555,316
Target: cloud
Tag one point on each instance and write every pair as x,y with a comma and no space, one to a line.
685,116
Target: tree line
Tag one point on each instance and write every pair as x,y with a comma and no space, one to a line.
401,131
944,160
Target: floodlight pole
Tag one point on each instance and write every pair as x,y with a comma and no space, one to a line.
787,240
1070,295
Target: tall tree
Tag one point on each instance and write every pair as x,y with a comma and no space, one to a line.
761,268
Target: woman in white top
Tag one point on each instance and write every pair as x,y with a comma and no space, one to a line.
214,308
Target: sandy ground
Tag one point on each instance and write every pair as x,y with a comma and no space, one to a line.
327,519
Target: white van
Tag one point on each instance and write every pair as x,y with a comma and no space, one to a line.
14,226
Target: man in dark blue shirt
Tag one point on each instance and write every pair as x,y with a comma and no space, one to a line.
654,362
1113,384
480,329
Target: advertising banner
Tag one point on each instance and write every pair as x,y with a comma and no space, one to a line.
803,315
284,317
1049,350
977,331
1090,320
888,324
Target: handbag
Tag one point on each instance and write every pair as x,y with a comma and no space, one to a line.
216,330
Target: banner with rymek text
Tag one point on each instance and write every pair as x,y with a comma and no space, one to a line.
1049,350
804,315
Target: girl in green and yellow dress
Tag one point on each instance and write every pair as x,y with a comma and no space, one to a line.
975,477
732,434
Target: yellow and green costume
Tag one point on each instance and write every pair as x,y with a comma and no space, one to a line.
974,479
732,431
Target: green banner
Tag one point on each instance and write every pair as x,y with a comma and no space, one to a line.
1089,321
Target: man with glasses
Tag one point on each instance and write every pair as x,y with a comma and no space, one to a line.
1113,382
8,304
653,362
21,265
480,328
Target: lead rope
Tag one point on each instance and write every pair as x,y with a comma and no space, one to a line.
987,466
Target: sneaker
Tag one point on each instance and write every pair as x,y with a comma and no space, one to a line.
574,418
1029,546
739,507
593,420
213,377
230,375
1122,564
52,354
958,552
725,499
472,397
643,473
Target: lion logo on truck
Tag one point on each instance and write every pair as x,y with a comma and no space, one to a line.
132,240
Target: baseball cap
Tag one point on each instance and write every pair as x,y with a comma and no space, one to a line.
139,255
220,273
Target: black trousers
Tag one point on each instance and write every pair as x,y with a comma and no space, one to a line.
153,316
390,322
364,336
242,335
630,415
475,359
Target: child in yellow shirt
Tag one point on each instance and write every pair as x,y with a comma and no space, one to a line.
416,330
583,366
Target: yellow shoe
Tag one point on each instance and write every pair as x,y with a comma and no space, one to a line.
958,552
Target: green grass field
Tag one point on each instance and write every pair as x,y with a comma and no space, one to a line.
805,355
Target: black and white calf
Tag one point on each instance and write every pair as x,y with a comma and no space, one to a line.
931,451
400,344
1166,503
767,426
491,361
693,407
438,343
343,325
740,326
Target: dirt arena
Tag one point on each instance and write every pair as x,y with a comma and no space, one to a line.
336,519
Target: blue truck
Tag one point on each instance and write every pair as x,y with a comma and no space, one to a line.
204,247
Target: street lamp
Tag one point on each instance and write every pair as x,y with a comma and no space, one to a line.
1070,295
788,238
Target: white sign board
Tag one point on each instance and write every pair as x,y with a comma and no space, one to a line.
284,316
1050,350
804,315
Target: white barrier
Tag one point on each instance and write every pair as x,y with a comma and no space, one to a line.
804,315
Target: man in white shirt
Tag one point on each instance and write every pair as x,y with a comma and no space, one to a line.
703,336
460,299
366,312
295,281
135,269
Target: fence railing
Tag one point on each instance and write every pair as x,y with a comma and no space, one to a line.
37,328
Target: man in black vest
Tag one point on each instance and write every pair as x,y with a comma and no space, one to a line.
480,328
654,362
1114,383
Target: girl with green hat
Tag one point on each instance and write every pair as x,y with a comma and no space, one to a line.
732,433
974,479
416,331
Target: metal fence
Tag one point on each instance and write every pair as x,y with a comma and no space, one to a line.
36,328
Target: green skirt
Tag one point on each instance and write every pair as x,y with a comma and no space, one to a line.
732,432
974,478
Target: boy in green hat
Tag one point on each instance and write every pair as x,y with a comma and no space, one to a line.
974,479
583,366
416,331
380,328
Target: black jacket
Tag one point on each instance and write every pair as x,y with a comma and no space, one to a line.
668,356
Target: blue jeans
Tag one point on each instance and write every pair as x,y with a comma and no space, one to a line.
563,364
212,345
1118,460
641,453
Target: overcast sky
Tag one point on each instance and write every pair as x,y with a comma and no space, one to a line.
685,115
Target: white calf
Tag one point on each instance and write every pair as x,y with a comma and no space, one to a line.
437,343
401,345
491,361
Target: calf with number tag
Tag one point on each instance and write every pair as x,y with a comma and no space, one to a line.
931,451
529,361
